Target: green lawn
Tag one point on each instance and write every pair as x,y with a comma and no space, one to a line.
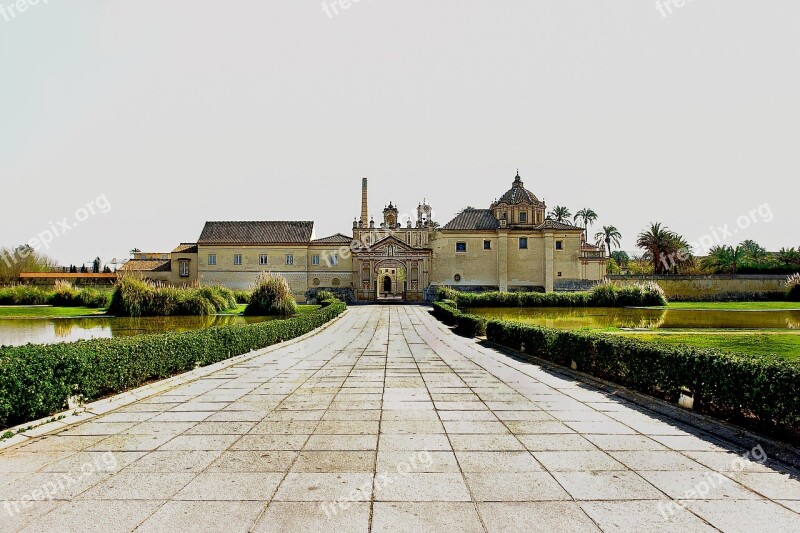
786,345
18,311
755,306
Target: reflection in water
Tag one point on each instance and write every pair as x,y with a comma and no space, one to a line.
15,332
630,318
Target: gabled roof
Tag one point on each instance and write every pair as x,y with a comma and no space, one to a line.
337,238
146,265
391,239
186,248
266,232
553,224
480,219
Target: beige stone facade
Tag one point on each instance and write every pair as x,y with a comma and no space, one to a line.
509,246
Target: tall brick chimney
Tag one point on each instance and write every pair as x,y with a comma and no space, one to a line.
364,208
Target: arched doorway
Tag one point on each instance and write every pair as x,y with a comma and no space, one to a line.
390,280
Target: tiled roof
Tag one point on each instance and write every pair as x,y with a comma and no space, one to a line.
268,232
481,219
518,194
553,224
146,265
338,238
186,248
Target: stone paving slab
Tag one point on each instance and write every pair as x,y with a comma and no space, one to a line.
386,421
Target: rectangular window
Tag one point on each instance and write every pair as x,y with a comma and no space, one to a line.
289,259
333,260
559,245
315,260
461,247
523,243
487,245
237,259
263,259
523,216
212,259
183,269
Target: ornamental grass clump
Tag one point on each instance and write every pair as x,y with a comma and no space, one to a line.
271,296
793,288
65,295
23,295
133,296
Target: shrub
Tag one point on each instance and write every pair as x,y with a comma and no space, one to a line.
131,297
793,288
65,295
465,324
36,380
135,297
24,295
604,295
271,296
323,295
242,297
758,392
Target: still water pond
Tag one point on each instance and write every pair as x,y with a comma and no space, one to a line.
637,318
17,332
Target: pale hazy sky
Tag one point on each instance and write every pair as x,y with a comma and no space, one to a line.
184,111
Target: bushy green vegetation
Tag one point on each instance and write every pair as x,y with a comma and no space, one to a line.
323,295
136,297
22,259
750,258
63,295
36,380
762,393
793,288
271,296
605,295
242,297
772,343
466,325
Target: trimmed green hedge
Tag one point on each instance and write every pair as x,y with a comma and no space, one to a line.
605,295
761,393
36,380
465,324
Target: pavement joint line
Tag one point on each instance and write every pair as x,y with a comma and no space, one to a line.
337,374
46,426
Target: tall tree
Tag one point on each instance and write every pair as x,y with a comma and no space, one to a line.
723,259
664,249
560,214
610,235
588,217
753,252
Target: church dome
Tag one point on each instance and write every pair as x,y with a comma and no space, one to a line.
518,194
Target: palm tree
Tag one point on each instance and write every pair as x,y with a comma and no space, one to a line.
723,259
662,246
788,257
610,235
560,214
588,217
753,251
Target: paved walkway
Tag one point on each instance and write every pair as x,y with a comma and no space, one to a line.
462,437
